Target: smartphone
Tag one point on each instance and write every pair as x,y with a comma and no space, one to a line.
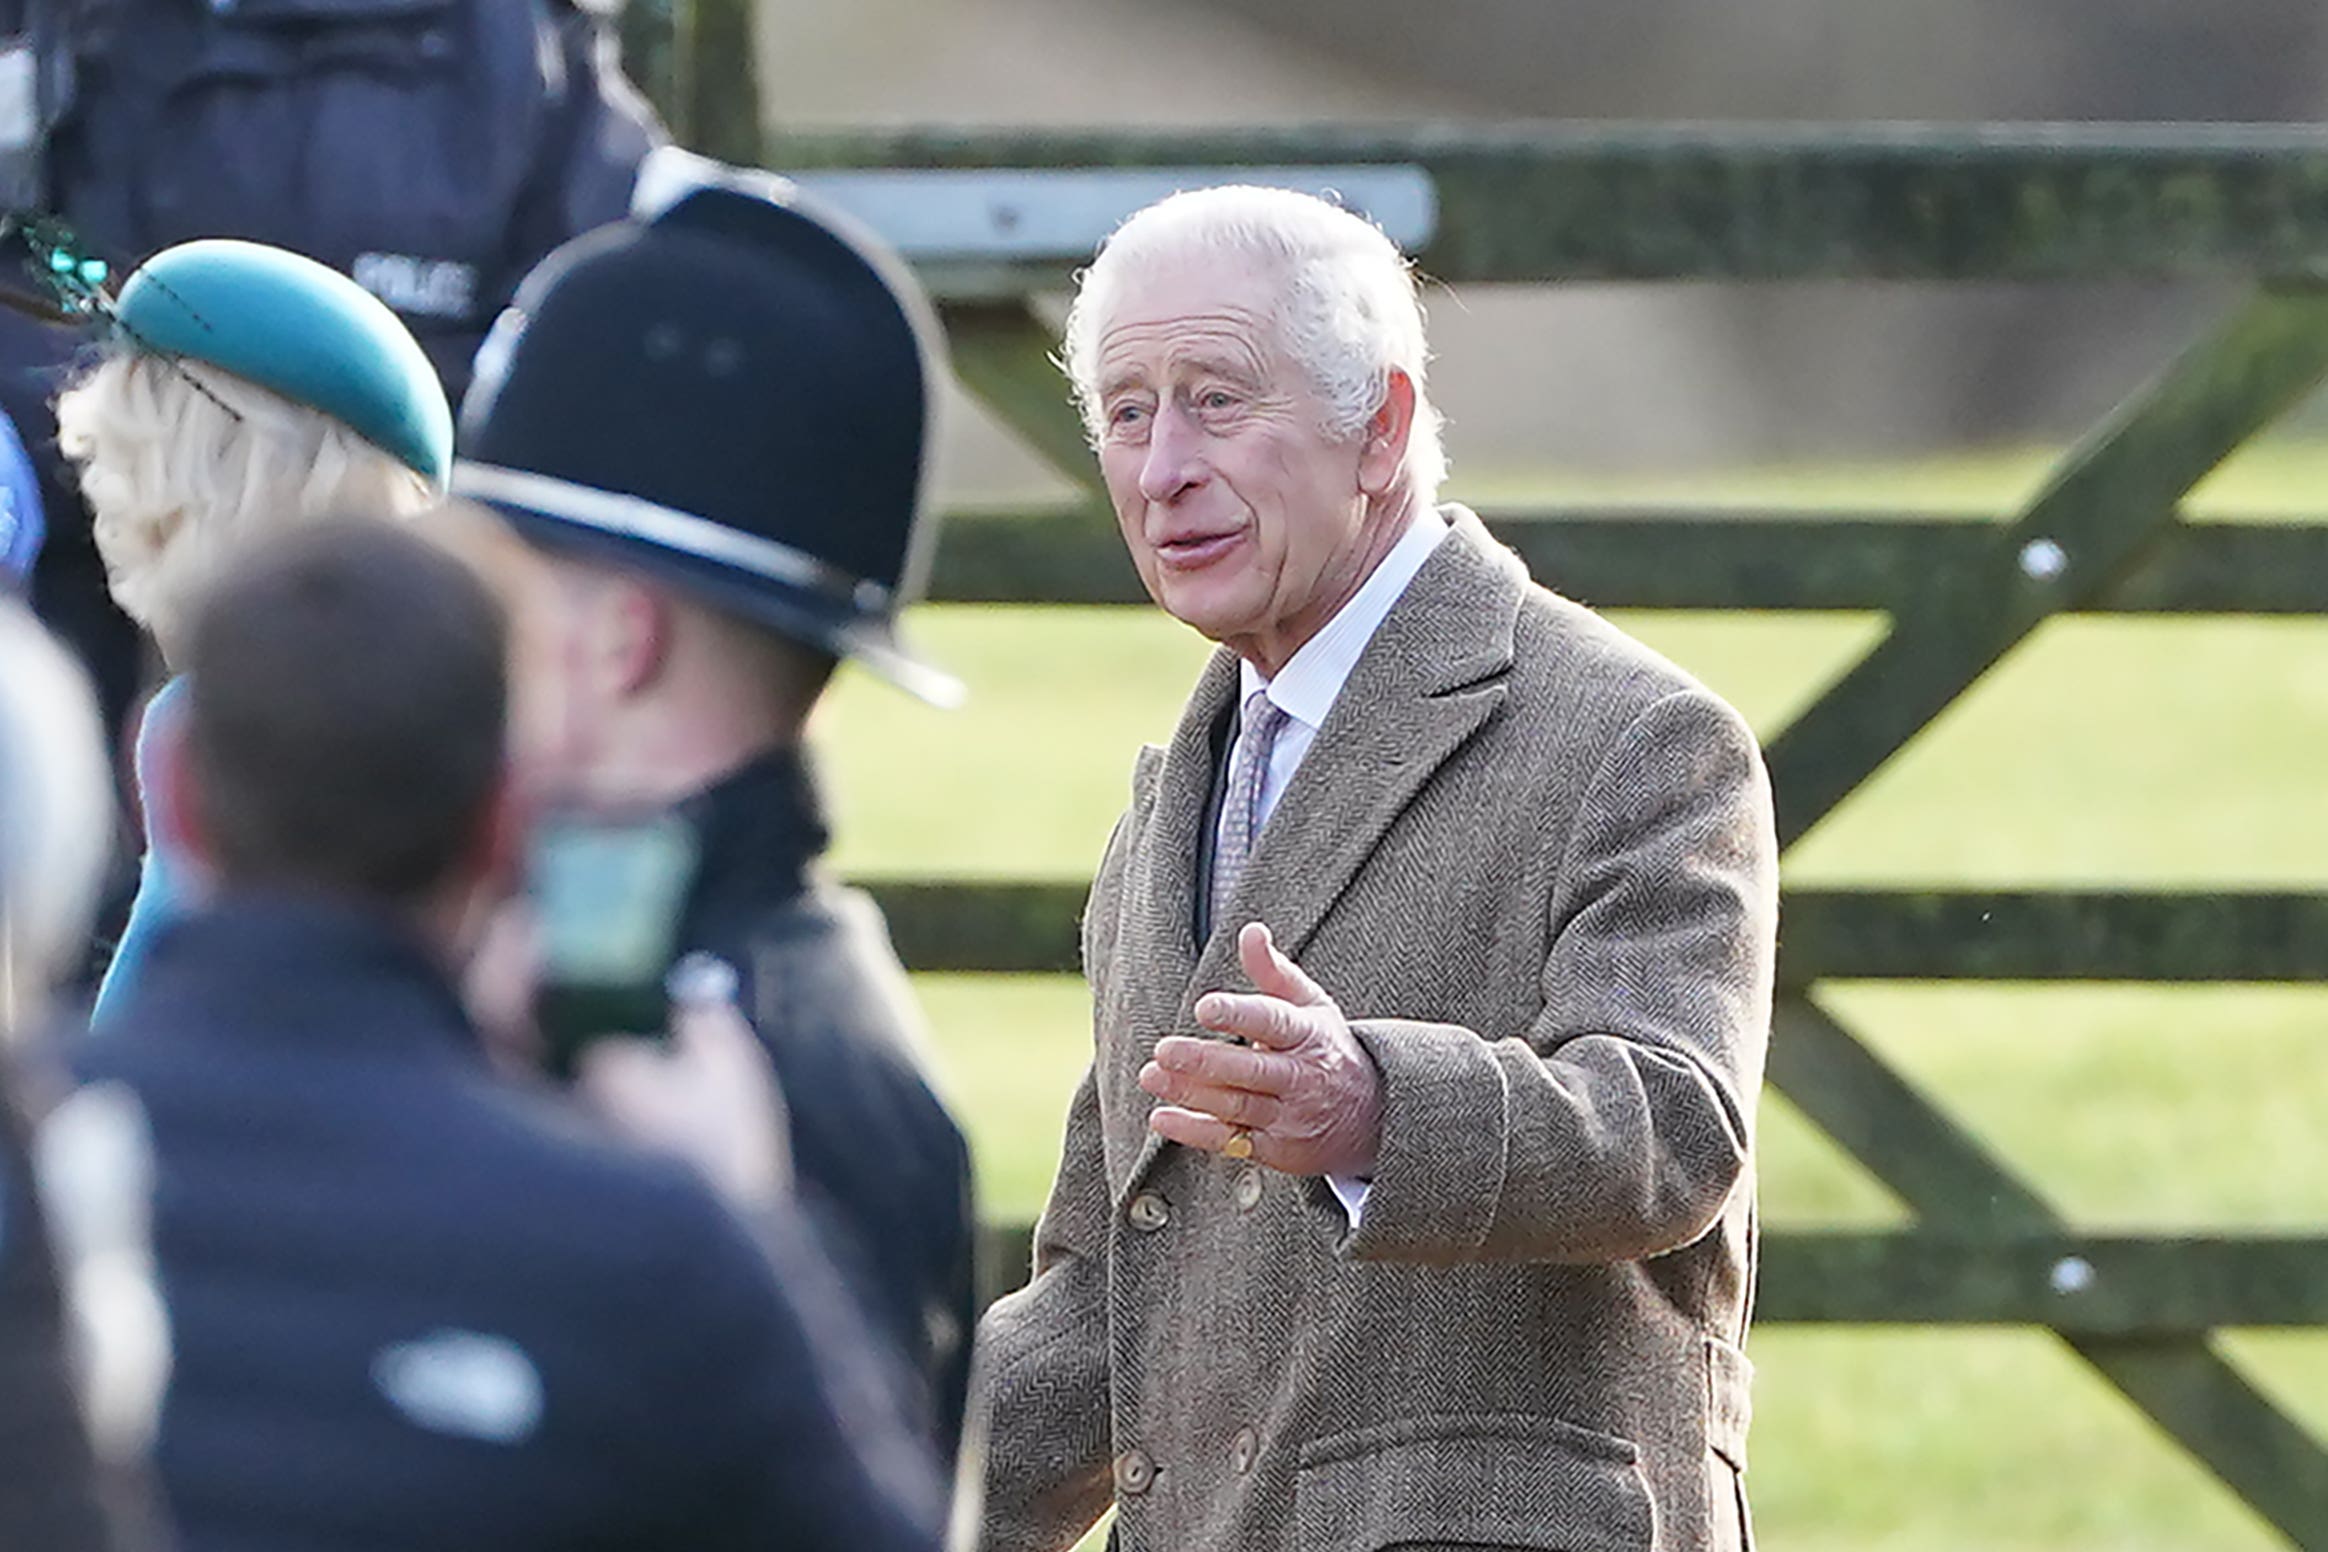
607,892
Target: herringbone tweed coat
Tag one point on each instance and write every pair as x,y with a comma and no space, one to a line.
1534,863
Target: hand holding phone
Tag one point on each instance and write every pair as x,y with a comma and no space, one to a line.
707,1095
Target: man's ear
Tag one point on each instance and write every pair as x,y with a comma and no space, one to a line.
639,627
1382,455
496,853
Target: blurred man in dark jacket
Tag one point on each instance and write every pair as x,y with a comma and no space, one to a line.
414,1305
713,421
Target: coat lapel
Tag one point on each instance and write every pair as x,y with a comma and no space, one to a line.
1163,870
1428,681
1156,953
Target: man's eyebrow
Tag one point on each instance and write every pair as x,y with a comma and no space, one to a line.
1122,378
1235,368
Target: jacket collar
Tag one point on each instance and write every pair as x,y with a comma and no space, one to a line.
1428,681
1312,680
323,971
760,831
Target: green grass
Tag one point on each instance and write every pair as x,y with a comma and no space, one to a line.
2150,752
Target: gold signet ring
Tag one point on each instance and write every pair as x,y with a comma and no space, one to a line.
1239,1145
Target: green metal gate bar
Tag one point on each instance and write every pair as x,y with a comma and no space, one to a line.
1641,559
1556,202
1550,203
1022,927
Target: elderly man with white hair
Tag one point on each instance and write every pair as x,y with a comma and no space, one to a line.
1409,1198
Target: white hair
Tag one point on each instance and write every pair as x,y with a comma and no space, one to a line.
56,813
1347,311
184,463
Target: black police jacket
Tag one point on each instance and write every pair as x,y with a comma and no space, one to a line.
435,150
882,1171
414,1306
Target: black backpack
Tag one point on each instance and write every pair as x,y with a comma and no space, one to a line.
433,149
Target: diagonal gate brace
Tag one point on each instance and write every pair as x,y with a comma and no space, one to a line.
2110,504
1948,1179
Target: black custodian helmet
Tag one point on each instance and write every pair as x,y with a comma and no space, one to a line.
733,392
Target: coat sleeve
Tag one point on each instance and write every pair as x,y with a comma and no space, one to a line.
1617,1127
1040,1376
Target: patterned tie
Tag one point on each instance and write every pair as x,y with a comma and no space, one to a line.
1241,804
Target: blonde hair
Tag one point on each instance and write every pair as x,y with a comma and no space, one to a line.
183,463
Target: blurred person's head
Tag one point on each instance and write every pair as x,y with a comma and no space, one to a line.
344,733
1251,367
247,391
657,693
623,689
94,1156
713,421
55,815
524,584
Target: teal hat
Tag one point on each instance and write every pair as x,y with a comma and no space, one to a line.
301,330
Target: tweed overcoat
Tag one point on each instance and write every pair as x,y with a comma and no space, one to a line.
1535,865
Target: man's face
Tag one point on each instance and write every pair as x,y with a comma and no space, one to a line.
598,732
1244,518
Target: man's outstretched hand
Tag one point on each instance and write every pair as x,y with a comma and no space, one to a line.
1302,1090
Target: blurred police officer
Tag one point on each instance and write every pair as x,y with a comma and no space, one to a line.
413,1304
713,421
435,150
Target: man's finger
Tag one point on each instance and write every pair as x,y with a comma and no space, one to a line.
612,1060
1271,972
1238,1107
712,1035
1194,1129
1229,1066
1264,1020
622,1079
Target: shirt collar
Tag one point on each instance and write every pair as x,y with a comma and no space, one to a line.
1306,688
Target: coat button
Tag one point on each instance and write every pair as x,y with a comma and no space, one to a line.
1249,1189
1149,1212
1135,1473
1242,1451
